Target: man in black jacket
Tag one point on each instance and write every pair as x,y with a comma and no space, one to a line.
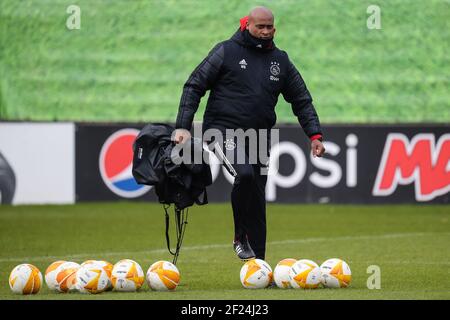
246,74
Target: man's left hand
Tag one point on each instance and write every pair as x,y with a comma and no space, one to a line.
317,148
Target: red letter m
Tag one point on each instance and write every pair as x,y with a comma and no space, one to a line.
419,161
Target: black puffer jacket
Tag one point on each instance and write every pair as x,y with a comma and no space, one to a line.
245,82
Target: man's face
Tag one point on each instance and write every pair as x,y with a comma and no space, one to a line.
261,27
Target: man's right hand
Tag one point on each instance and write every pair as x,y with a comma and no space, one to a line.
181,135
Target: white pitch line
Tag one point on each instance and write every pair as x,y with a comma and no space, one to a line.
215,246
415,262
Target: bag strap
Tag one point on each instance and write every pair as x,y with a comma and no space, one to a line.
167,228
180,223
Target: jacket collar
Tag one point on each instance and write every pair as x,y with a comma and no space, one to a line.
244,38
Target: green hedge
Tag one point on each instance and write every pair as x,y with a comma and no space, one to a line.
129,60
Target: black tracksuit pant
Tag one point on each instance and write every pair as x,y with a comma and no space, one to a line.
248,194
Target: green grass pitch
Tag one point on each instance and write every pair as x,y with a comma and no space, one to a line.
409,244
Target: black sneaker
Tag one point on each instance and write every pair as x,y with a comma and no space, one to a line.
243,249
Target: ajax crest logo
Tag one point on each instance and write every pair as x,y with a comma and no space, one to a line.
116,163
274,70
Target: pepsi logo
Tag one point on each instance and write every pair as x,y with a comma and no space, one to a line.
116,163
